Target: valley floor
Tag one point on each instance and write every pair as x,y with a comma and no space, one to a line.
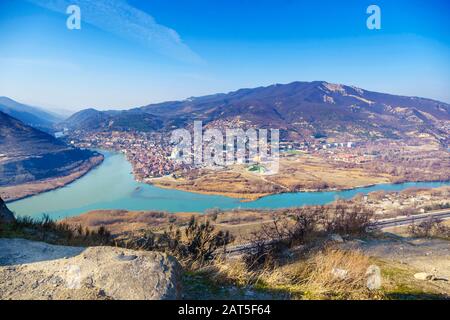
297,174
241,223
324,170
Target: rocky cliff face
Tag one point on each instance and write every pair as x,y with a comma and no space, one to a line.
39,271
6,216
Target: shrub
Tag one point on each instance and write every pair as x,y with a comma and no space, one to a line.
194,245
213,213
349,219
46,229
263,253
430,228
270,244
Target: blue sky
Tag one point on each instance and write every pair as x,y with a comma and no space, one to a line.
132,53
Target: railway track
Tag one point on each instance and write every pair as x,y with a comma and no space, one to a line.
378,225
404,221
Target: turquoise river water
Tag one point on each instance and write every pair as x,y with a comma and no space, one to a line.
112,186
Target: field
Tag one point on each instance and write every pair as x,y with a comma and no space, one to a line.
240,223
336,169
297,173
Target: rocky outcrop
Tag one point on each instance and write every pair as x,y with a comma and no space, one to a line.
39,271
6,216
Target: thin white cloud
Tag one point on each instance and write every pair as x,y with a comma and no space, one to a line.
121,19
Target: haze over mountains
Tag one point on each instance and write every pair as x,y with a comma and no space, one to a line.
299,109
302,111
19,140
28,154
32,116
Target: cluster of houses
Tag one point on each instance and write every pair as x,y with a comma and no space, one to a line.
149,154
311,147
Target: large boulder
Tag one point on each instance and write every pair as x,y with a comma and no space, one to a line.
6,216
36,270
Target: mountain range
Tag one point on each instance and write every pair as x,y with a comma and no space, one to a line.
302,110
28,154
299,109
33,116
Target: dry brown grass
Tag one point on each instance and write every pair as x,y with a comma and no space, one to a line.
318,275
312,277
120,222
314,172
297,173
233,182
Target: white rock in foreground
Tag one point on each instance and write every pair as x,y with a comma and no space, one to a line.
423,276
35,270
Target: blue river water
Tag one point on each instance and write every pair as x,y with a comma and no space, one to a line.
112,186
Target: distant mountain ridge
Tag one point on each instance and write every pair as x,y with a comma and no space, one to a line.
300,109
28,154
32,116
91,119
18,139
